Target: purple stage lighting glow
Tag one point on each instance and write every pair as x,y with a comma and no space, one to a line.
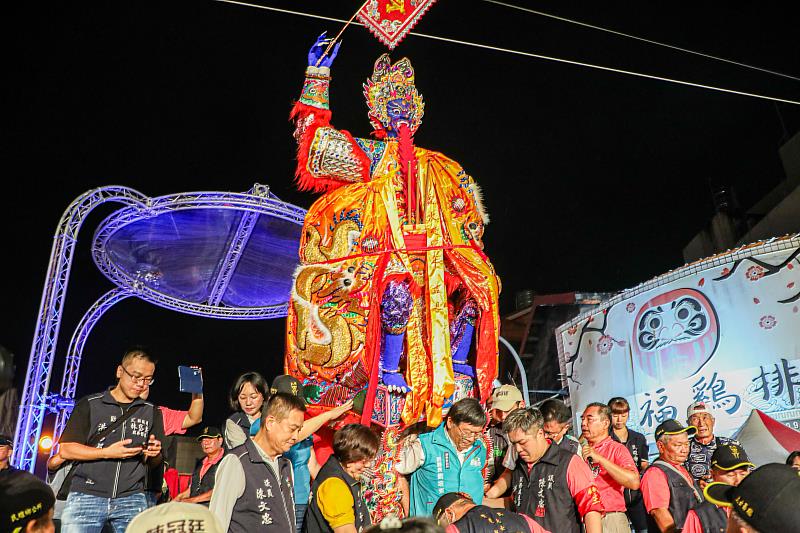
212,254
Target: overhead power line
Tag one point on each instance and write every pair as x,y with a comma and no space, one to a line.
528,54
650,41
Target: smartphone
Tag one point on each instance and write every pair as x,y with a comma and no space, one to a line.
138,441
190,380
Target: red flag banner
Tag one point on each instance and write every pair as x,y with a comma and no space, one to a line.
391,20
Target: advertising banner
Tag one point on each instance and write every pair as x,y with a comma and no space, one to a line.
725,330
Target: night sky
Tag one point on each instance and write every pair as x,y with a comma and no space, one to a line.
594,181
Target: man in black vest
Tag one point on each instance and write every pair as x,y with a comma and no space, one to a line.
202,484
549,484
729,465
253,490
337,503
669,492
108,475
457,513
765,501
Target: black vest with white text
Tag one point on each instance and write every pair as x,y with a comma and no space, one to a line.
267,503
543,494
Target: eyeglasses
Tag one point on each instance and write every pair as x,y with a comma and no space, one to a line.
468,435
553,435
139,380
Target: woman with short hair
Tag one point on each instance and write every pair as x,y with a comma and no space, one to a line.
337,504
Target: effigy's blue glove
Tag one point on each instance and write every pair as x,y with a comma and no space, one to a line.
318,48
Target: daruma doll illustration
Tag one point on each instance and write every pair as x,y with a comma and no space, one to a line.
674,335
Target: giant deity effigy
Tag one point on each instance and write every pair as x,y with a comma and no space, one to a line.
394,303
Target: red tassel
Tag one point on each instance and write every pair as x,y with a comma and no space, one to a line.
451,283
372,343
408,160
304,180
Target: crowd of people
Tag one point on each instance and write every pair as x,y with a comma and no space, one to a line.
501,466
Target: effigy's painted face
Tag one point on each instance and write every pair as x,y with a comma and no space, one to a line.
398,111
392,97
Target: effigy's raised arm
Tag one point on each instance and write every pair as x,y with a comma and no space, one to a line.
326,157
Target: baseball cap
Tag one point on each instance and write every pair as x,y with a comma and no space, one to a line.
446,501
168,517
209,431
25,498
505,396
673,427
696,408
766,499
287,384
730,457
5,440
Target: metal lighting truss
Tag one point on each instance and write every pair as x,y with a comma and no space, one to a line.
258,202
35,398
69,381
37,380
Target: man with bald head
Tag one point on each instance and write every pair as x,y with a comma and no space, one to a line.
704,442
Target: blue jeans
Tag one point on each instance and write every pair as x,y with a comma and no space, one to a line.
299,515
85,513
151,498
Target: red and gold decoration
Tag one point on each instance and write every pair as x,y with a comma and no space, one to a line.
391,258
391,20
394,304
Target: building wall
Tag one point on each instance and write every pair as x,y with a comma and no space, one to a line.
782,219
774,215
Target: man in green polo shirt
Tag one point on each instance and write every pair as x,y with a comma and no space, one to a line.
448,459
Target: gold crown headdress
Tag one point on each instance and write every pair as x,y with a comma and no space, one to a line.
390,82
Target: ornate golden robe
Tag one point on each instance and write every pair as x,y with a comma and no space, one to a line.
354,242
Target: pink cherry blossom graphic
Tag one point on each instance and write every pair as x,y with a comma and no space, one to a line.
755,273
605,344
767,322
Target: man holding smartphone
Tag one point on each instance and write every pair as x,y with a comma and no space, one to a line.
110,437
175,422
